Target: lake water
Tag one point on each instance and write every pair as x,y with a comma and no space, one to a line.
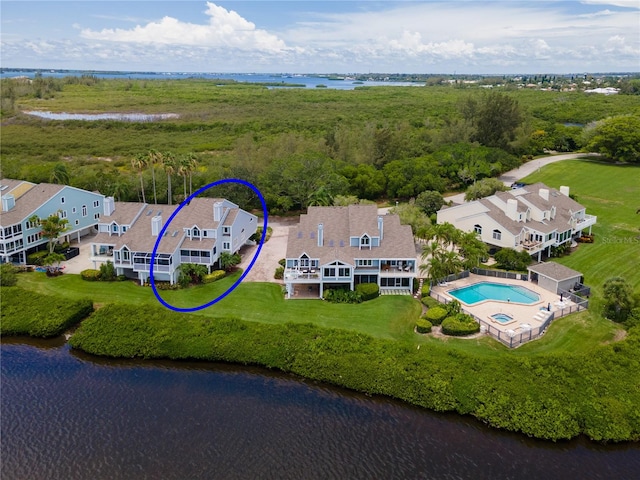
122,117
71,416
303,81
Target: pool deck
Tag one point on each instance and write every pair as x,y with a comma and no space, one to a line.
522,314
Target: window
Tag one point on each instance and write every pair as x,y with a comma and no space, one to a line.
84,210
226,246
365,241
62,200
62,213
497,235
74,210
195,232
226,230
96,203
77,222
31,224
364,263
329,272
478,229
344,272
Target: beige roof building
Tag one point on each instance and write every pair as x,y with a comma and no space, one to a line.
335,247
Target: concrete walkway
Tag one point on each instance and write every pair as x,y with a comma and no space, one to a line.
527,169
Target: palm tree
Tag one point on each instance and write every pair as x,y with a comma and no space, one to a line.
139,163
59,174
193,165
184,168
472,250
119,188
154,158
169,165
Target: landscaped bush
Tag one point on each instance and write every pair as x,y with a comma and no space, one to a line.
426,289
423,325
436,315
368,291
460,325
510,259
282,262
340,295
48,317
430,302
279,275
214,276
90,275
107,271
37,258
166,286
258,235
8,276
121,278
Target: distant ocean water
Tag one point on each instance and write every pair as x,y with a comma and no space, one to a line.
305,81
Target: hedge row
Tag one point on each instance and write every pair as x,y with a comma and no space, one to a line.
49,316
545,396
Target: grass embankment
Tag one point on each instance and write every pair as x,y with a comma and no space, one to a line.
545,396
387,316
23,313
612,193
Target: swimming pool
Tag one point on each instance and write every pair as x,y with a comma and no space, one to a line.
482,291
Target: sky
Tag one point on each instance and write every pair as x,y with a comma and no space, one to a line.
264,36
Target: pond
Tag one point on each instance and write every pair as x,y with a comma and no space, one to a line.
121,117
73,416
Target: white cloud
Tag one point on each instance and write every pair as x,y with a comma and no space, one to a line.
615,3
225,29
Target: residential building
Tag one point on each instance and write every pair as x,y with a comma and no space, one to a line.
531,218
22,201
340,247
199,233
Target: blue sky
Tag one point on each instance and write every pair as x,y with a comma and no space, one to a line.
462,36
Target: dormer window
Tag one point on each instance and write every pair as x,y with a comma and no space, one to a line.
365,241
195,232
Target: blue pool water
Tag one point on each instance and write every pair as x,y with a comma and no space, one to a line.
479,292
501,317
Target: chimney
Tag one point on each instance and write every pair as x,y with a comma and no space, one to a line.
564,190
544,193
512,209
156,225
109,206
217,211
320,235
381,227
8,202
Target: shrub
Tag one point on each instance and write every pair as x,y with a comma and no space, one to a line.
282,262
436,315
8,275
37,258
90,275
279,275
20,315
426,289
430,302
214,276
368,291
423,325
166,286
416,285
460,325
121,278
339,295
258,235
510,259
107,272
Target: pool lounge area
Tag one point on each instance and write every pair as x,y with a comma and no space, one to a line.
495,303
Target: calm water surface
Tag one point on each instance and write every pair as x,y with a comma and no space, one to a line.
70,416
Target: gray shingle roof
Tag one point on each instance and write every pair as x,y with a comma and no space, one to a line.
29,202
339,224
554,270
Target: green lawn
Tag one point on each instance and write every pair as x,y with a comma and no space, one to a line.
387,316
612,192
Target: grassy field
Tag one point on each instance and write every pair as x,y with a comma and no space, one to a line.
612,192
386,317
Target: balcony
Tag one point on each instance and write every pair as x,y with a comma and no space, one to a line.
145,267
302,275
198,260
587,221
